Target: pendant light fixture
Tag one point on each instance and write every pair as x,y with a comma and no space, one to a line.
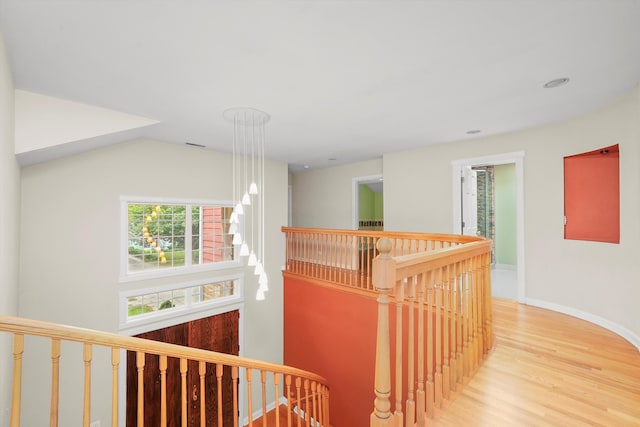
249,189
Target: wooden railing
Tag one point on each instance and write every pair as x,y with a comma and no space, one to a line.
439,289
449,291
345,257
303,397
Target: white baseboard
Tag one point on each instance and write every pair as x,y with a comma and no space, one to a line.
592,318
258,413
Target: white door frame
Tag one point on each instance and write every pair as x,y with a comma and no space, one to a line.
497,159
355,195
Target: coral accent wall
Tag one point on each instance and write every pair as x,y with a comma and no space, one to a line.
333,334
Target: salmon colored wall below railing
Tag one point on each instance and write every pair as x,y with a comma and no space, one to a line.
434,319
332,332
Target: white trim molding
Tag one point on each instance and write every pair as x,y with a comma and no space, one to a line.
516,157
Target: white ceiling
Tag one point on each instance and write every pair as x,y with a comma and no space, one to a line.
344,80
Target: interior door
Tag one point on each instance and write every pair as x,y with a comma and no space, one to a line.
469,198
213,333
217,333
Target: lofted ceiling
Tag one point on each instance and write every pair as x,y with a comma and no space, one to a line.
343,81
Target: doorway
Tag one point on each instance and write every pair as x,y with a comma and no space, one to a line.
217,333
477,207
367,203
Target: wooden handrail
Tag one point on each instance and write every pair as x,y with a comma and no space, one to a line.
345,257
270,374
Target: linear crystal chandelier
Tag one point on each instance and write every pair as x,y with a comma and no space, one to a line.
248,188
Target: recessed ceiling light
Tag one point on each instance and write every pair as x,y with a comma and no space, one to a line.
473,131
331,159
556,82
306,166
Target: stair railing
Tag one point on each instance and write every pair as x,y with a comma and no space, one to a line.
345,257
305,395
445,297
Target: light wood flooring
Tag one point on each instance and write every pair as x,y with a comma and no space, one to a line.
549,369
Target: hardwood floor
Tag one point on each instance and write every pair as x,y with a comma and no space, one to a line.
549,369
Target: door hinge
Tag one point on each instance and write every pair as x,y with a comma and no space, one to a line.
565,220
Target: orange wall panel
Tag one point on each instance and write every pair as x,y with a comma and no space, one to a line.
333,334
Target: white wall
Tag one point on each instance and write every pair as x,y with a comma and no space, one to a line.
70,244
9,226
322,198
597,281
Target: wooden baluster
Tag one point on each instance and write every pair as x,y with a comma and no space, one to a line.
411,404
437,285
307,415
488,303
481,325
299,400
183,380
320,420
219,372
140,370
296,253
341,263
421,407
453,283
115,364
452,325
16,391
398,389
465,321
55,382
317,255
202,371
86,412
370,255
305,255
431,392
286,251
446,373
320,262
276,383
477,295
263,380
162,362
383,269
313,414
313,254
460,321
249,397
234,380
332,256
287,381
474,314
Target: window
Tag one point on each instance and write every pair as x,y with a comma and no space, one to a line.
167,238
174,300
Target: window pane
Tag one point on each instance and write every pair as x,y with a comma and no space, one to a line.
157,235
155,302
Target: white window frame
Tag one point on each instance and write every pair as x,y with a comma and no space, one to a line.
188,310
126,276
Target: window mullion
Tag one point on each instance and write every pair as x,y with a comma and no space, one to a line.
187,236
